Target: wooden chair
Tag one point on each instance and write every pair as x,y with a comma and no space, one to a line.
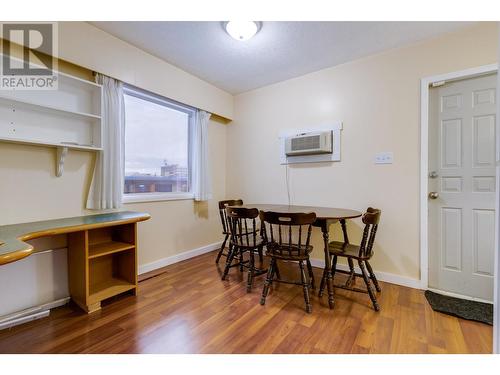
287,237
361,253
225,223
245,237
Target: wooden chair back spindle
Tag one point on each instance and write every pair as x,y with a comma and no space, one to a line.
371,219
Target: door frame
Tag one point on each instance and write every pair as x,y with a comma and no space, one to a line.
424,171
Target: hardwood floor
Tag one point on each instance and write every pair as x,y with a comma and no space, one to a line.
188,309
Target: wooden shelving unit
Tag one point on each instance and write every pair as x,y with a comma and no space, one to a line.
68,118
107,248
102,252
102,264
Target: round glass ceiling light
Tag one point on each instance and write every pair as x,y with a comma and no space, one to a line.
241,30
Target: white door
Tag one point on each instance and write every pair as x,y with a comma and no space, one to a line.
462,187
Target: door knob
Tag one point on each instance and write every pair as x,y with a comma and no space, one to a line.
433,195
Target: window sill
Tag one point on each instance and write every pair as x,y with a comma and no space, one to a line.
155,197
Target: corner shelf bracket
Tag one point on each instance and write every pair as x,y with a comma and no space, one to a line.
60,157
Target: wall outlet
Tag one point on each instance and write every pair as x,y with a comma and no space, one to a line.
384,158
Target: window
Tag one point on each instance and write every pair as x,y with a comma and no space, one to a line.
157,142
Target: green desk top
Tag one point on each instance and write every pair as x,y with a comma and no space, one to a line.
12,237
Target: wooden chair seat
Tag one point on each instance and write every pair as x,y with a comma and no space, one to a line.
289,252
345,250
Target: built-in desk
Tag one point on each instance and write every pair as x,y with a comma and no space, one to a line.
102,252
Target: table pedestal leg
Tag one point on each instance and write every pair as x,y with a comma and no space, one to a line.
328,266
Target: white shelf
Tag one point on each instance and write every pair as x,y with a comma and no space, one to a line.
34,142
61,149
76,79
48,107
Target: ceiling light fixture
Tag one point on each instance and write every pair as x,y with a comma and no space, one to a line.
241,30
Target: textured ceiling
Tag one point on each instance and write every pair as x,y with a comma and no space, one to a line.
280,51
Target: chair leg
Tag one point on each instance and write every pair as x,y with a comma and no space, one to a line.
268,282
305,287
372,276
241,260
251,271
261,255
322,283
334,268
371,293
229,260
352,277
221,249
276,270
311,274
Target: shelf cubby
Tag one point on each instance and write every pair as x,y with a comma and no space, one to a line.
120,233
110,275
108,288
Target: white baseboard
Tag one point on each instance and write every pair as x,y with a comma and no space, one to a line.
30,314
24,319
148,267
382,276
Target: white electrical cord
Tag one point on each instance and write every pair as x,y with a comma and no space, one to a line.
287,183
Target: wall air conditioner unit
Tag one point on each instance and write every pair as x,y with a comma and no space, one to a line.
311,143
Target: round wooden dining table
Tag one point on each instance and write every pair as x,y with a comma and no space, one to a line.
325,216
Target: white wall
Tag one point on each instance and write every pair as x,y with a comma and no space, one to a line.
36,280
86,45
30,191
378,100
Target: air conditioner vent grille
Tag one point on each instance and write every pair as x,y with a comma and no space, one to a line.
306,143
311,143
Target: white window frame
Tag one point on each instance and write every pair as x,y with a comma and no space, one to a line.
158,196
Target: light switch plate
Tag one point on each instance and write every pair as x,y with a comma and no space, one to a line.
384,158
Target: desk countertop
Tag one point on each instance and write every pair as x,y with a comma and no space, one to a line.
12,237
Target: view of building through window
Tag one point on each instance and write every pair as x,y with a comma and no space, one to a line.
156,147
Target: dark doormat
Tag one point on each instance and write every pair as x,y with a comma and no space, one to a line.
462,308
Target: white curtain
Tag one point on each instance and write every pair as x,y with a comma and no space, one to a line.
201,180
107,182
